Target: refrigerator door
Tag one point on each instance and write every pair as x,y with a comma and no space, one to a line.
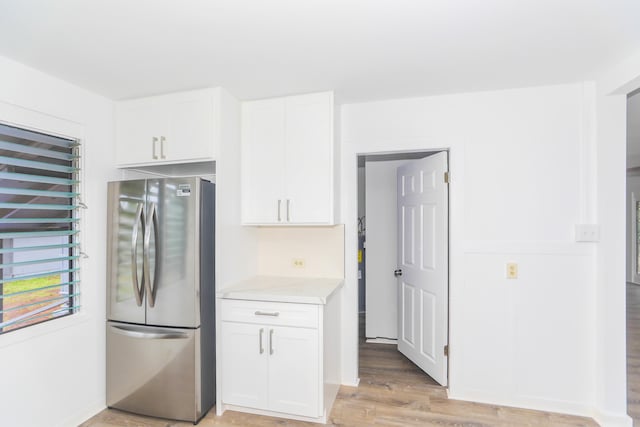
125,223
154,371
172,252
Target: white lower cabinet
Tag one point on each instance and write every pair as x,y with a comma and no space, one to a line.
271,367
245,367
272,358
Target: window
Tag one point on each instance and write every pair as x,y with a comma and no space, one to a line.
39,246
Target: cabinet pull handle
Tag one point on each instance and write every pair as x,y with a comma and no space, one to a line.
279,203
162,140
267,313
153,148
270,341
260,339
288,206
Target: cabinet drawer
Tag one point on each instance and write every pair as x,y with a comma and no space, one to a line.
272,313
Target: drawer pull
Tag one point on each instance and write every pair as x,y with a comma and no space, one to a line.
267,313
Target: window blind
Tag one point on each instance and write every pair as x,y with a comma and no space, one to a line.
39,226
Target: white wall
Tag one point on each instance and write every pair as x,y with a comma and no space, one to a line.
236,245
521,162
53,373
633,131
382,249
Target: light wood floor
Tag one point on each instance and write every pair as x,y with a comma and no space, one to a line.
392,392
633,352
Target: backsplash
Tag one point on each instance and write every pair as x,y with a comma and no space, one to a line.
301,251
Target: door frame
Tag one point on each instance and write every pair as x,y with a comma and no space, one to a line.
351,217
634,276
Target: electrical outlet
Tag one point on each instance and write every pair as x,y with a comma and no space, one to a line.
298,262
587,233
512,270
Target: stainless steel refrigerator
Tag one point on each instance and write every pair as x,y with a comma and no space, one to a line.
160,297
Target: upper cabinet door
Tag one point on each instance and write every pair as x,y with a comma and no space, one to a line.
263,136
309,159
288,161
191,122
175,128
137,132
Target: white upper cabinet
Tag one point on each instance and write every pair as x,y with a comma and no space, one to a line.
288,161
176,128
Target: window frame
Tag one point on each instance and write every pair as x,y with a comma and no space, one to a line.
34,121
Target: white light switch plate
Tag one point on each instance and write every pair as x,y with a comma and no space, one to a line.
587,233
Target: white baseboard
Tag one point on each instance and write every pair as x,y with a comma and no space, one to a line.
83,415
559,406
605,419
351,383
381,341
610,419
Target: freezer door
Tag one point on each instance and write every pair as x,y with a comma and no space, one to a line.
172,255
125,224
154,371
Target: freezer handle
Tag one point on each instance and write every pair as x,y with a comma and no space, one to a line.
136,333
138,291
152,221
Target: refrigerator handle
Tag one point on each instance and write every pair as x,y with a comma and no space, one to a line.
138,291
134,333
152,222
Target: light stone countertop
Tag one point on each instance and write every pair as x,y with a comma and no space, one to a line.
305,290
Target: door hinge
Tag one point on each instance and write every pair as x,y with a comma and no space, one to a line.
446,350
446,177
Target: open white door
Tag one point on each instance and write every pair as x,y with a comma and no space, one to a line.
423,270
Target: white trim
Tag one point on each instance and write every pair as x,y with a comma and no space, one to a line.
529,247
529,402
79,417
381,341
17,116
321,420
354,383
635,277
610,419
44,328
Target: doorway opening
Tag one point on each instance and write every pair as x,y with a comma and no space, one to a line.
403,264
633,254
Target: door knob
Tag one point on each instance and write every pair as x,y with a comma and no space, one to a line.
397,273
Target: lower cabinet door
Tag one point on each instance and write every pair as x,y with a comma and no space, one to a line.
245,357
294,371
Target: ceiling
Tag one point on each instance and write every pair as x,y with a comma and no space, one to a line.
363,49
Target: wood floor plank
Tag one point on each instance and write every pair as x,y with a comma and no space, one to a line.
633,352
